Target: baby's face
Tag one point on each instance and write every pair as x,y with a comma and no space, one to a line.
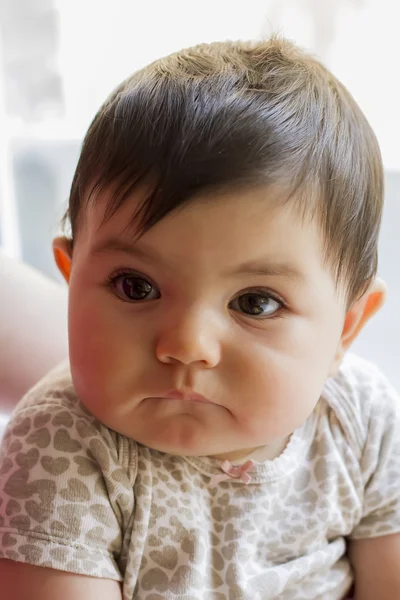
226,298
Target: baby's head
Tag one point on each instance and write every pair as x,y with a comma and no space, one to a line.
224,220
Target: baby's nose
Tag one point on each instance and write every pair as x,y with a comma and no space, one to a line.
190,338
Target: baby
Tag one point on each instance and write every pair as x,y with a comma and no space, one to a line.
209,439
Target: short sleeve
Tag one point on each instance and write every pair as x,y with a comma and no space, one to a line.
380,460
65,490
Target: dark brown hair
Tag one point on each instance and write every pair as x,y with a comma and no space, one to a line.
240,113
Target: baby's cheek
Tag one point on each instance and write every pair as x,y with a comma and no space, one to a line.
91,330
282,404
90,354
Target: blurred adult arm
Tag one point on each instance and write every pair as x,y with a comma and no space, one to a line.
33,328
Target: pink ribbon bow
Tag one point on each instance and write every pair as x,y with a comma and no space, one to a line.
231,471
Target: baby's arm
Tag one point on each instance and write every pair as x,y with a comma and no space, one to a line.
374,543
20,581
376,564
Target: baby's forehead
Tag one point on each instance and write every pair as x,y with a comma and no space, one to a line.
230,227
108,210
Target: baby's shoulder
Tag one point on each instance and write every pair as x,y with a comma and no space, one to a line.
54,389
52,417
62,468
362,401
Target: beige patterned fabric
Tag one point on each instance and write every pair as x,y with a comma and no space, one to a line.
78,497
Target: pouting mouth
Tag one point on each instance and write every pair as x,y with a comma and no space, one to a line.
186,395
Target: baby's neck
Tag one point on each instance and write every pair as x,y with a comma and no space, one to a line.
260,453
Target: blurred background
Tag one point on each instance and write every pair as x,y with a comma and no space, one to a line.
59,59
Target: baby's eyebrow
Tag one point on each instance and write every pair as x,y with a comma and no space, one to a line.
118,245
259,267
268,268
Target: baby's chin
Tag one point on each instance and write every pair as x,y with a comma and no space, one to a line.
178,441
216,449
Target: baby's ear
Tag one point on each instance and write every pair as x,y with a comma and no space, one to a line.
358,315
62,250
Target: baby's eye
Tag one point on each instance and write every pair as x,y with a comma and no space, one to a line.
132,287
256,304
